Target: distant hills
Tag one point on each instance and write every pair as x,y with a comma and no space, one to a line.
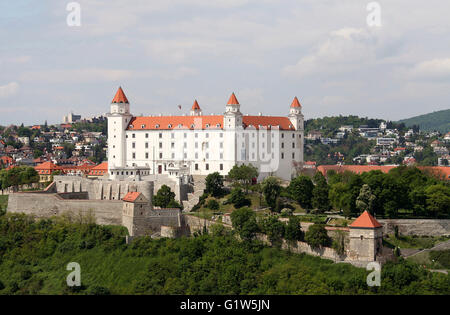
439,121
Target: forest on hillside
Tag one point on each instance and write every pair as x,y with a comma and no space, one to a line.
435,121
34,256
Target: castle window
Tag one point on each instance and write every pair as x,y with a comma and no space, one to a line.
282,135
146,145
185,135
293,136
207,125
160,155
142,126
282,155
133,135
169,126
221,135
207,135
160,145
221,167
180,125
293,145
207,166
196,167
157,126
133,145
192,125
131,126
362,237
218,125
146,155
172,145
146,135
293,155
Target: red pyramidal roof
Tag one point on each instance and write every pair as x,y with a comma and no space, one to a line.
233,100
131,196
295,103
195,106
365,220
120,97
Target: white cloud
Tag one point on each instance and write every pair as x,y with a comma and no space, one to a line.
77,75
432,69
344,50
9,89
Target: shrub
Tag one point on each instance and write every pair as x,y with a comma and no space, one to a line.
213,204
317,236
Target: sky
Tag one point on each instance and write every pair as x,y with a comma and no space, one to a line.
168,53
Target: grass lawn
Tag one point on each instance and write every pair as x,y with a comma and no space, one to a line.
432,259
419,242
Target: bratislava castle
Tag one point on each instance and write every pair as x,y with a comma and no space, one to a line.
197,144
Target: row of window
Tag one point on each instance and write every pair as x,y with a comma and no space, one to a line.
133,155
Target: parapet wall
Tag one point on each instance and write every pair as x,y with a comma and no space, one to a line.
45,205
102,189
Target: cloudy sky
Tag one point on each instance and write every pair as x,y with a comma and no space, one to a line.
169,52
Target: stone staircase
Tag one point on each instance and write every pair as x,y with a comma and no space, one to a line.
193,197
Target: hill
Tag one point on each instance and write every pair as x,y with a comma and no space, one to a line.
33,254
439,121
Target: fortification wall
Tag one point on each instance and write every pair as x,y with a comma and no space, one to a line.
44,205
428,227
102,189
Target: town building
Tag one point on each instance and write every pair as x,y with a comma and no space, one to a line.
198,144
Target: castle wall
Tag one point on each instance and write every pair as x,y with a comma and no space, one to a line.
44,205
102,189
428,227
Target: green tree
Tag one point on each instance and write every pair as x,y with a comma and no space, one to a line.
271,189
320,199
164,197
214,184
244,222
243,174
338,243
274,229
438,200
317,236
213,204
238,199
365,200
293,230
300,189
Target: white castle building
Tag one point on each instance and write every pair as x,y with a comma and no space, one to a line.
198,144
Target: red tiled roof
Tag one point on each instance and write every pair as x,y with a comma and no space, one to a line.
358,169
267,121
172,122
47,168
100,169
365,220
212,122
195,106
120,97
233,100
131,196
295,103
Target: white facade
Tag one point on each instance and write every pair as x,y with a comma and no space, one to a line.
200,145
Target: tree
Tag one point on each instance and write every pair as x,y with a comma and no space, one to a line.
164,196
293,230
365,200
243,174
300,189
271,189
338,195
274,229
214,184
244,222
438,199
213,204
320,199
238,199
317,236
